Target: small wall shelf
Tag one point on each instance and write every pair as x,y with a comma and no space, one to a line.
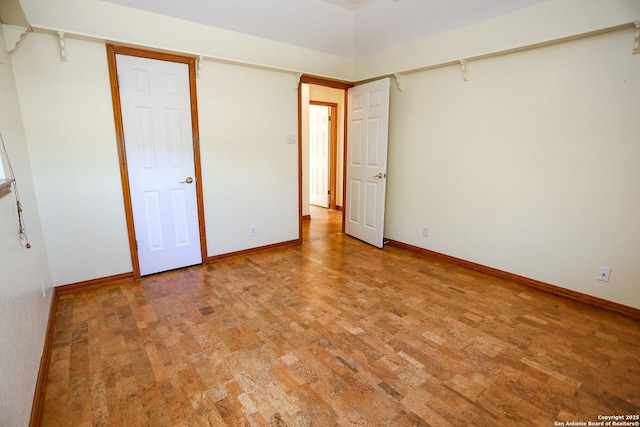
5,187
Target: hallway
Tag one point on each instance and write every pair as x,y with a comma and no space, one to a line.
323,223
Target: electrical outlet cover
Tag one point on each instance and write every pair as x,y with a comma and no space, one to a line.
604,273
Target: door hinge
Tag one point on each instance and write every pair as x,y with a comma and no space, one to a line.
328,192
118,80
136,245
329,118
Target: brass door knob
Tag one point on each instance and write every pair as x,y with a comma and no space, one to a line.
189,180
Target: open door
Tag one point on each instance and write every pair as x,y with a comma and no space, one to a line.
367,141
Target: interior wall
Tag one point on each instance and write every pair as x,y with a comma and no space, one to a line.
250,170
530,166
68,119
24,310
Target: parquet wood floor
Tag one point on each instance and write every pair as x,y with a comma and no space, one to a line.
323,222
335,332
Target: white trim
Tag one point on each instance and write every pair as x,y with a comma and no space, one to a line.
12,36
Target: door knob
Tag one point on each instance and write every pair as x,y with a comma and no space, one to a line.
189,180
380,175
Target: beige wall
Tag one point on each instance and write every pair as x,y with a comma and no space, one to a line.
23,309
250,172
68,118
530,167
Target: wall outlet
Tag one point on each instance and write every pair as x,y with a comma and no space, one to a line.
252,230
44,288
603,273
425,232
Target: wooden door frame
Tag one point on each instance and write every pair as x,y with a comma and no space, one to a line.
112,51
333,149
334,84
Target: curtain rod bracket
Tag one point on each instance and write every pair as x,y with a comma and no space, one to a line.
636,46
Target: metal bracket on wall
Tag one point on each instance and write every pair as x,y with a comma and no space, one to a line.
464,63
63,46
636,46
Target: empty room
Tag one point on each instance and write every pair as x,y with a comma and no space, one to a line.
319,212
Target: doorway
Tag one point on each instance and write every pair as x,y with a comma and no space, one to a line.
316,220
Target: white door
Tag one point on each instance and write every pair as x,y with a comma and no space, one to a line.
368,127
319,155
156,115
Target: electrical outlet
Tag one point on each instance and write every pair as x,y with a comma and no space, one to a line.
252,230
425,232
603,273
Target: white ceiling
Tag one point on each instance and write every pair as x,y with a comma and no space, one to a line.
350,28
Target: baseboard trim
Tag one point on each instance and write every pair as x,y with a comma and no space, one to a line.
73,288
252,250
521,280
306,217
45,360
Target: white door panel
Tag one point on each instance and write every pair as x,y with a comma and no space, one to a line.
156,115
368,126
319,155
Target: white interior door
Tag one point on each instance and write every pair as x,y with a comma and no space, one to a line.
368,127
156,115
319,155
